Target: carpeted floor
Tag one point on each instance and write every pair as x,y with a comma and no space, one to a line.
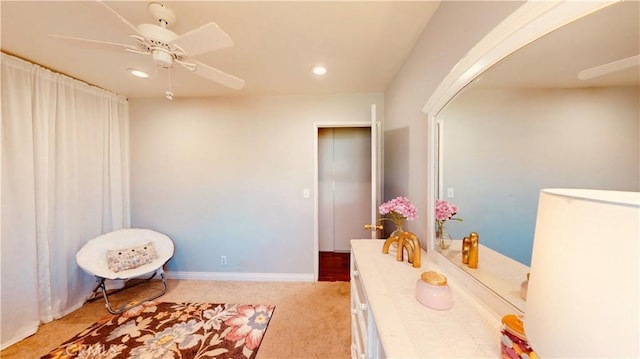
312,319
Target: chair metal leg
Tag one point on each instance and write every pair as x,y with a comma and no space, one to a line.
100,283
105,295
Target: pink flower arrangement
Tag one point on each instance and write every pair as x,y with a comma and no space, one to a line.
400,209
445,211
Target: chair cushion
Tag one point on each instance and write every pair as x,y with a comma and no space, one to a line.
132,257
92,257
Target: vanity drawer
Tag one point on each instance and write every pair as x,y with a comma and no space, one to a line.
358,297
357,342
359,315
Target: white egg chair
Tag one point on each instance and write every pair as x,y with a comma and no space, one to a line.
125,254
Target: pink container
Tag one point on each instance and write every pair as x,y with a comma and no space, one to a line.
432,290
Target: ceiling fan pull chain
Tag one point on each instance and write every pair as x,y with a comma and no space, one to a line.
169,94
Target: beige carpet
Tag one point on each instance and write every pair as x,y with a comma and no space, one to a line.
311,319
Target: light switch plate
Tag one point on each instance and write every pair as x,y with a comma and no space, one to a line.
450,192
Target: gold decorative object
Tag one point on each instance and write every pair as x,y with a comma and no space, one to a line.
466,242
434,278
470,247
372,227
408,241
473,250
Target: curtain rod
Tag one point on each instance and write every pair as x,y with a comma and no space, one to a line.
59,72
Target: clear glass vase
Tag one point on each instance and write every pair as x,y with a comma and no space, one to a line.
397,231
398,222
443,239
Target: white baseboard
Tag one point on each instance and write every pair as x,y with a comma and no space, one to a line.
242,277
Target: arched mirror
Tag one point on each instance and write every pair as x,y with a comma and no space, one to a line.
562,111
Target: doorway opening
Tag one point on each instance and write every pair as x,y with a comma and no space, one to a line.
344,196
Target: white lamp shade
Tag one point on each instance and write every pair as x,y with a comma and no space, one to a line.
582,300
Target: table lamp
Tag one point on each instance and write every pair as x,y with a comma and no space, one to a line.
582,300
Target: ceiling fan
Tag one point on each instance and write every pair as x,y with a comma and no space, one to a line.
168,48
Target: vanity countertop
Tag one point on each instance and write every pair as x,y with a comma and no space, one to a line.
408,329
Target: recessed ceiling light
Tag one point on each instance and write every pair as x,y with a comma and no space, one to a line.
138,73
319,70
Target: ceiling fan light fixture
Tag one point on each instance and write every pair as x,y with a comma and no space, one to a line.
319,70
138,73
162,58
166,47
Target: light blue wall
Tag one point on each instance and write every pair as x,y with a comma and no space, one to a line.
503,147
225,176
452,31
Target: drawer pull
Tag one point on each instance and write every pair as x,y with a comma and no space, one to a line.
363,306
356,273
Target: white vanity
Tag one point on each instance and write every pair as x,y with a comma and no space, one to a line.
389,322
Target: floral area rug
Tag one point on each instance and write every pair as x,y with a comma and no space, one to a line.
172,330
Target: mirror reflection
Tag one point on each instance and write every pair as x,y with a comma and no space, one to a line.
560,112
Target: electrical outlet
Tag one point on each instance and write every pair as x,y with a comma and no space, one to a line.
223,260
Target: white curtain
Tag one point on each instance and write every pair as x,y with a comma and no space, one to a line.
64,180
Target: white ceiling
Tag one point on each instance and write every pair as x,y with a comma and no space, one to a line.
555,60
363,44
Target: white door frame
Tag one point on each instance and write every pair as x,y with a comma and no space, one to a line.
378,181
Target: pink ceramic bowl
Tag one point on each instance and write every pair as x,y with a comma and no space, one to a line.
432,290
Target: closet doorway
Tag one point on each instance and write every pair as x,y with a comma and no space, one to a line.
344,195
347,187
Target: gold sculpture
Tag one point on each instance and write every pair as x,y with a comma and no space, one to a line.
408,241
473,250
470,247
466,241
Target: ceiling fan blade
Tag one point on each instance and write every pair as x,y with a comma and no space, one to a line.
609,67
218,76
99,43
135,29
206,38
